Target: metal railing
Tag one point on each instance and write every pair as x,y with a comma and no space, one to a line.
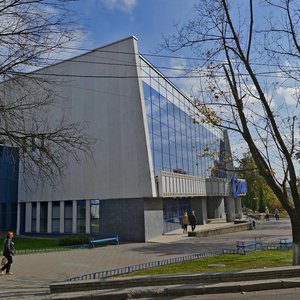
139,267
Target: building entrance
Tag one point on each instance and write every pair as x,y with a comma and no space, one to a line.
173,210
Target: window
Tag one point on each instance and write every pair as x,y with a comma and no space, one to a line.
68,219
55,216
33,217
81,216
95,216
44,217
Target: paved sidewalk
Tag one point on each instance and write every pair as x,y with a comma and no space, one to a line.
34,272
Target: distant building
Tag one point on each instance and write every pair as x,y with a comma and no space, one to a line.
151,161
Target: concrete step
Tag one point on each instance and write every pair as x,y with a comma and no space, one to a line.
24,293
216,221
182,290
163,280
220,230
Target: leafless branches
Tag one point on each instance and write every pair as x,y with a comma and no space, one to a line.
31,31
229,41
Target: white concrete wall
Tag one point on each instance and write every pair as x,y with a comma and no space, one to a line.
120,167
153,218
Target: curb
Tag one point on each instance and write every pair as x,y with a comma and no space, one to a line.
221,230
194,278
179,290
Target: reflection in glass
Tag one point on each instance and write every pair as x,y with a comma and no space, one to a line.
81,208
95,216
68,216
33,217
177,142
43,216
55,216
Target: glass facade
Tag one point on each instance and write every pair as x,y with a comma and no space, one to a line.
81,208
95,216
9,173
179,144
33,217
43,216
55,216
40,216
68,216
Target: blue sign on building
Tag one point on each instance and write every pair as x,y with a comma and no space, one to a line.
9,175
238,186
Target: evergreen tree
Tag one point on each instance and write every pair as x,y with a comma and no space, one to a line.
261,199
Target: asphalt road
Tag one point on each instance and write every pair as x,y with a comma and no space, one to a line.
286,294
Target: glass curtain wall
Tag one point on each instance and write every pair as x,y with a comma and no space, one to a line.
9,173
95,216
179,144
68,216
174,208
33,217
43,217
55,216
81,208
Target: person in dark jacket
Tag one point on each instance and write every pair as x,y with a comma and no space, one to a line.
8,252
193,220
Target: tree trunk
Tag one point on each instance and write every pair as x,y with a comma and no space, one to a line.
296,239
296,254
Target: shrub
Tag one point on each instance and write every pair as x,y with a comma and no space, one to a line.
74,240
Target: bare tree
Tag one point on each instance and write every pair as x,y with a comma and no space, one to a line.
32,32
251,57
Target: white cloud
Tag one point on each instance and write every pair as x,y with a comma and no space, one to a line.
289,95
122,5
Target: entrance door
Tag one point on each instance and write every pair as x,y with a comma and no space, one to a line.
173,211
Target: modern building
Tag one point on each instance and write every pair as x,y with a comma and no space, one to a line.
152,159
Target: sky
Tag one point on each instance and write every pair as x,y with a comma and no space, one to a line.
107,21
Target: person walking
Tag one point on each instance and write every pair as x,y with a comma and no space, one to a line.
253,223
193,220
267,214
276,214
185,222
8,252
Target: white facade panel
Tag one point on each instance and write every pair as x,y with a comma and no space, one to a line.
111,105
181,185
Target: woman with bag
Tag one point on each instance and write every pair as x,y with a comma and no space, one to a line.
185,222
8,252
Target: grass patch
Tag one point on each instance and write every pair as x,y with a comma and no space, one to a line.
232,262
74,240
24,243
32,243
